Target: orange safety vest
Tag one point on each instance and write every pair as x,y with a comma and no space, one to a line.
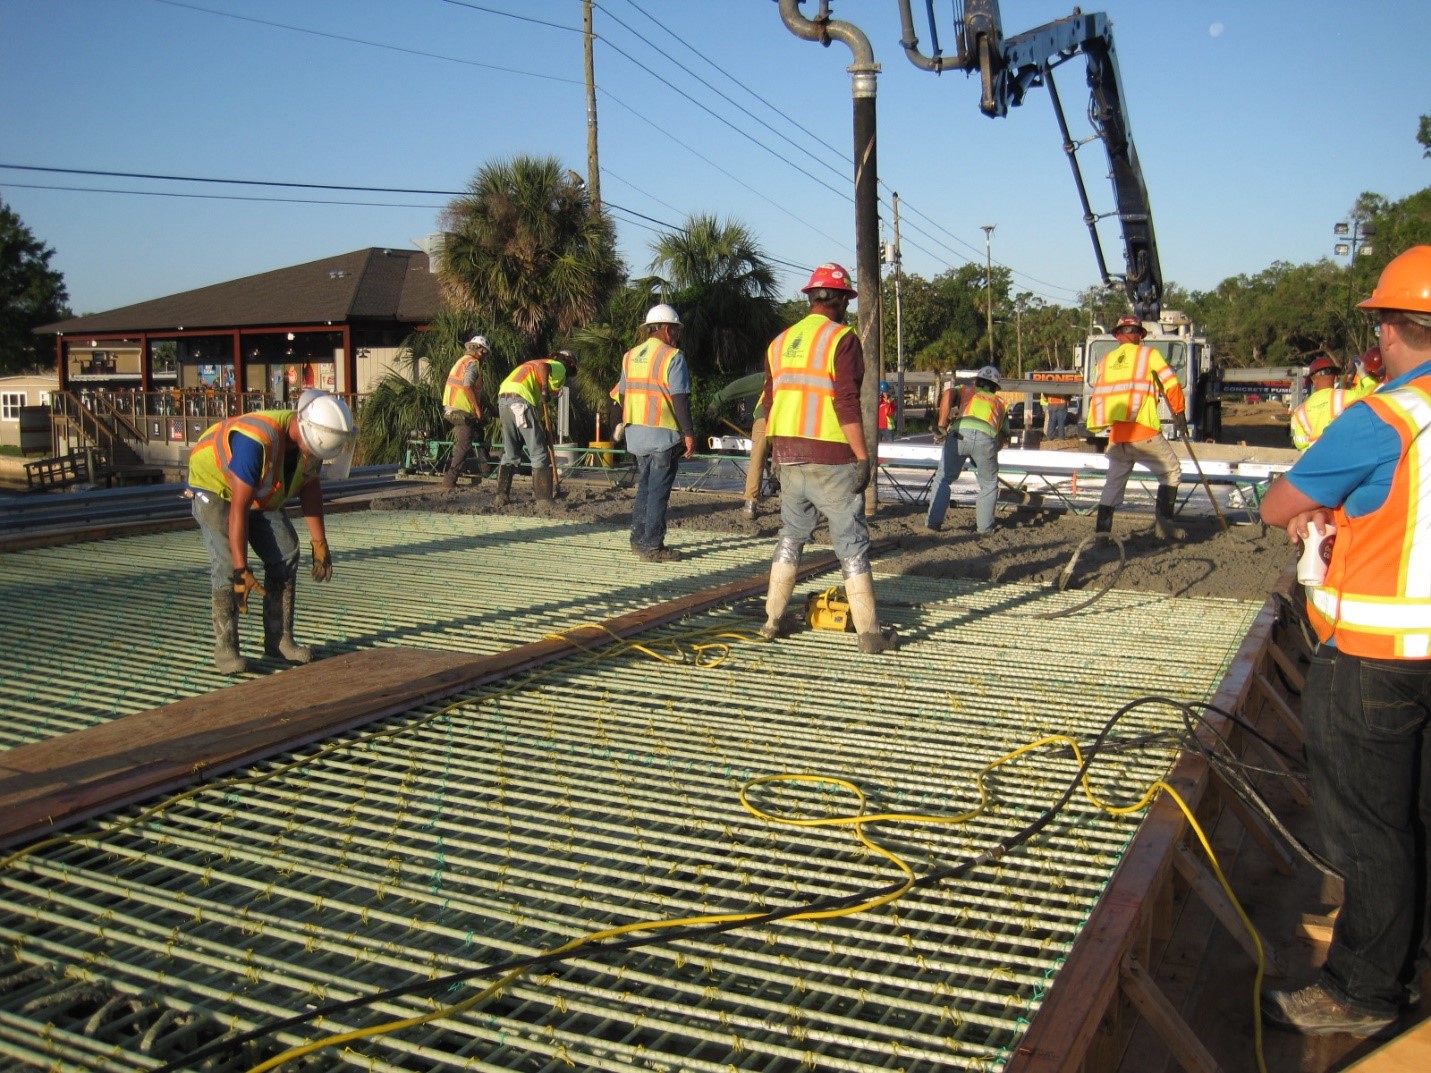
802,369
1123,392
212,456
1376,600
456,395
981,407
646,370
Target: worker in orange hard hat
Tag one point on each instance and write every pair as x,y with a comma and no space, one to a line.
813,374
1366,704
1126,387
1323,405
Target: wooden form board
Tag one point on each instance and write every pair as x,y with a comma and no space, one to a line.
48,785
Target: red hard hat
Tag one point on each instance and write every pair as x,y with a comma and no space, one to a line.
1372,363
1323,366
830,277
1129,322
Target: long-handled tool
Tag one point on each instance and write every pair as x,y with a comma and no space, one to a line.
1188,443
551,451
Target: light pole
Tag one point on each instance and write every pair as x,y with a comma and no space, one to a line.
988,230
892,258
1356,234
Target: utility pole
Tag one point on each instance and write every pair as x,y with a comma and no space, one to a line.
893,259
988,230
593,164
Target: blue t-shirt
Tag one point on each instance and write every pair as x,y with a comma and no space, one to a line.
246,458
1353,463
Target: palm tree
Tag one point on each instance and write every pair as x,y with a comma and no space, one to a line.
722,283
524,249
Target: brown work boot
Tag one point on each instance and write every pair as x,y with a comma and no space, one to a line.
662,555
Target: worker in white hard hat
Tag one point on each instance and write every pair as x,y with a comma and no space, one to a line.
655,397
241,473
522,402
462,404
971,419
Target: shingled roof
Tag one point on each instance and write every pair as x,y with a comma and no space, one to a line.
365,285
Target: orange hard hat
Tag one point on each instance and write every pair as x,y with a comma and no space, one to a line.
1371,362
1405,283
1323,366
831,277
1129,323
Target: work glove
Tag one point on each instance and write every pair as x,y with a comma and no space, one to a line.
1180,426
322,561
862,475
245,583
941,434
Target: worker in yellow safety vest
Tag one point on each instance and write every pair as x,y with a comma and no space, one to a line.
814,371
1366,704
1126,387
241,473
976,432
462,404
655,394
1324,405
522,402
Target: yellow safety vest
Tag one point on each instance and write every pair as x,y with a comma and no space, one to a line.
1123,388
646,370
524,384
211,457
1320,409
1376,599
981,411
802,368
456,395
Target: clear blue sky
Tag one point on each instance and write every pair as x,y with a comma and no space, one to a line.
1258,123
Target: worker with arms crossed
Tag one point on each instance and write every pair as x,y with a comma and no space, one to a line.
978,425
1367,700
1125,402
814,372
522,402
462,403
655,396
241,473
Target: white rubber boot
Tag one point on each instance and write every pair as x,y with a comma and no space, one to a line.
782,585
859,588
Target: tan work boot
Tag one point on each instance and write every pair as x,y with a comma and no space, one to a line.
226,638
278,608
859,589
777,597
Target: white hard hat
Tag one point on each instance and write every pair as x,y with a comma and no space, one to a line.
326,425
478,340
662,314
309,394
989,373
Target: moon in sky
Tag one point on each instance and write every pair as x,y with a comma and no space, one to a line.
1215,29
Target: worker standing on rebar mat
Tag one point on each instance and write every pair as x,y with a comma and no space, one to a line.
814,372
241,473
522,402
1125,402
1367,699
655,395
462,404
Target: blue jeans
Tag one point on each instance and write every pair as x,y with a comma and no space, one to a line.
655,476
983,450
270,534
514,411
1055,421
1368,725
808,491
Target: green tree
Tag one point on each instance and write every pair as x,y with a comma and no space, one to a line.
31,294
1423,134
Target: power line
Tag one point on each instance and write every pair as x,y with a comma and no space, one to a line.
218,197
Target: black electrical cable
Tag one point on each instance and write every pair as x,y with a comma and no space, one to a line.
419,988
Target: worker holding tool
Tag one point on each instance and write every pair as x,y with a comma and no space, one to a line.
1368,371
655,395
1366,704
1326,402
241,473
814,372
978,418
1125,402
748,387
522,402
462,404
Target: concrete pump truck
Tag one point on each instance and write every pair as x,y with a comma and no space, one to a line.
1008,67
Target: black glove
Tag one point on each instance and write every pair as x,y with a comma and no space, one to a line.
862,475
322,561
245,583
1180,426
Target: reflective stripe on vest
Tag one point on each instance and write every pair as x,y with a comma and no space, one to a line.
212,456
1124,389
456,395
646,369
1311,419
802,368
1376,600
982,409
